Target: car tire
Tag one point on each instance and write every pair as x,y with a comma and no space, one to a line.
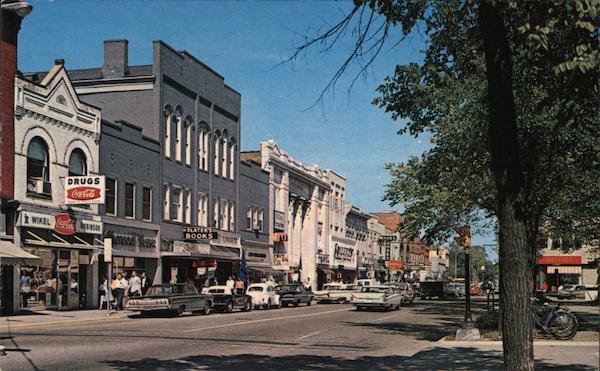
268,306
359,308
229,307
207,309
247,307
309,303
179,311
284,305
296,303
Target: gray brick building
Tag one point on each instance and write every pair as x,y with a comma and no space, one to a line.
254,222
185,106
131,213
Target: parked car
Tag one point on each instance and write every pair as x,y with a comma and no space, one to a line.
407,292
172,298
455,290
336,293
430,289
263,295
366,282
226,299
382,296
293,294
584,292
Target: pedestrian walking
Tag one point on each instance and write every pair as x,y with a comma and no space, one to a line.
106,295
135,285
120,285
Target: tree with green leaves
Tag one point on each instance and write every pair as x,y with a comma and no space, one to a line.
508,93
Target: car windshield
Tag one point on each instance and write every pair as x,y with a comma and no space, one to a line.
216,291
165,290
377,289
255,288
331,287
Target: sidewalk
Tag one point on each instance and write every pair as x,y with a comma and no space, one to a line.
49,318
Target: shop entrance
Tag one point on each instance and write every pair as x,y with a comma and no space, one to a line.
6,285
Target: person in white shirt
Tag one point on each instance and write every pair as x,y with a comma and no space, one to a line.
135,285
230,283
121,286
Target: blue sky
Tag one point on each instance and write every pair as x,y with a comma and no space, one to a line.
245,41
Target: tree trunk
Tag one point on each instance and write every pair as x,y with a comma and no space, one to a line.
515,276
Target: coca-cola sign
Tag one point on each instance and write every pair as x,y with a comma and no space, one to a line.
65,224
84,190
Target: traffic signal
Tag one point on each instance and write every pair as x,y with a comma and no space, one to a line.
465,236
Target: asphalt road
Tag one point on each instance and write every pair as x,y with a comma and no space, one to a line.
315,337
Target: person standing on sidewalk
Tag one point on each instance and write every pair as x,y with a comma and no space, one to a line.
145,283
120,288
135,285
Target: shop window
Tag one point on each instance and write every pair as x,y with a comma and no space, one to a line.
130,200
38,167
111,196
147,203
77,163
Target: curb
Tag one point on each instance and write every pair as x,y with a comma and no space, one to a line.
55,323
443,341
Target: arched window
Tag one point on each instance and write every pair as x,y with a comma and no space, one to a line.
232,148
188,140
168,116
224,157
38,165
203,149
77,163
216,146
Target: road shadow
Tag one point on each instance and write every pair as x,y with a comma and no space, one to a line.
419,331
430,359
588,321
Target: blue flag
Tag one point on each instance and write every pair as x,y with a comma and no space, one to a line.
300,269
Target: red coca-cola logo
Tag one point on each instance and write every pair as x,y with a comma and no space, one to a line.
83,193
64,224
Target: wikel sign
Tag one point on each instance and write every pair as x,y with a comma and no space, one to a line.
62,223
84,190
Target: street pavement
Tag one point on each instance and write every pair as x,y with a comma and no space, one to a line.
308,338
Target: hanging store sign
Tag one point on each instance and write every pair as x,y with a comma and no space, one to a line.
388,238
342,252
206,263
395,265
551,260
198,233
279,221
84,190
62,223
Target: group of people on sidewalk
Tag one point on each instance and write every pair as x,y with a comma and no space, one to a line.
122,287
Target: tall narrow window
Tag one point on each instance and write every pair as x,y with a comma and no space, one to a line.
178,138
201,150
38,166
232,216
188,206
216,148
216,212
260,220
223,211
147,203
224,158
130,200
202,210
188,143
77,163
168,123
166,202
176,196
232,161
249,218
111,196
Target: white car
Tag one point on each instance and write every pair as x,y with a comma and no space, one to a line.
383,296
366,282
336,293
263,295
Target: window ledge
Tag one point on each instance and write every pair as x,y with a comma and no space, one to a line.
38,195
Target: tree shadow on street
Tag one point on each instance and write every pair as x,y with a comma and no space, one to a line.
419,331
430,359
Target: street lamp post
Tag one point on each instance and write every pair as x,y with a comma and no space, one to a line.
467,330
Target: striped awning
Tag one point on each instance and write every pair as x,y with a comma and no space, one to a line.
564,269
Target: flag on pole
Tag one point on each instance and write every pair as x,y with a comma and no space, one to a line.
300,269
243,269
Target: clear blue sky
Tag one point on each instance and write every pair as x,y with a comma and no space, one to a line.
244,41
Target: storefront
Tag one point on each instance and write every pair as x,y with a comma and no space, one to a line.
555,271
64,276
184,260
344,259
134,249
259,262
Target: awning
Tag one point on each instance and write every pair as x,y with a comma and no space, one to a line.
563,270
51,239
10,254
327,271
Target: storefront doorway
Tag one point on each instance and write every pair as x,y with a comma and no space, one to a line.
6,285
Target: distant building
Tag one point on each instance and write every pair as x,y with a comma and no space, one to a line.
555,268
357,229
437,269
